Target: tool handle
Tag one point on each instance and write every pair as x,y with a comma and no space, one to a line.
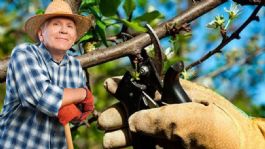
68,136
172,90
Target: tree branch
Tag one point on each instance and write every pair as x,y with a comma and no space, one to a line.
3,69
135,44
226,40
250,2
238,62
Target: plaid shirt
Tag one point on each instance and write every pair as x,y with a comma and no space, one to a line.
34,90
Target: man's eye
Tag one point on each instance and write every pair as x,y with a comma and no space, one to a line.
55,24
70,26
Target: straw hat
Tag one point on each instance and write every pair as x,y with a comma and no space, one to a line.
57,8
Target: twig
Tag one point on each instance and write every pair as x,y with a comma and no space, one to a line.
250,2
239,62
225,41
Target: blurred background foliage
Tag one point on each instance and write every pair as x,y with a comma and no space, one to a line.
237,73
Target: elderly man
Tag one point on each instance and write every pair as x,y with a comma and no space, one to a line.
44,84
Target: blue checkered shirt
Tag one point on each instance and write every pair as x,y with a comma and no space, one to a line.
34,90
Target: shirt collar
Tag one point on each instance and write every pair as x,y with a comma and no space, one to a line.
48,57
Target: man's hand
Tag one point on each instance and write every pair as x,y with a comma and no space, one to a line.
88,103
68,113
209,121
86,106
72,113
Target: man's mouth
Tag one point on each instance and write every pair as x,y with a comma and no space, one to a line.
61,38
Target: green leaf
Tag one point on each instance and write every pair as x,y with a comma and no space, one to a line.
95,11
219,20
86,37
101,28
86,4
136,26
149,16
184,36
135,75
40,11
89,1
109,7
129,6
142,3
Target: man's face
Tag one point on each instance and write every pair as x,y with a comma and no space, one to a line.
58,34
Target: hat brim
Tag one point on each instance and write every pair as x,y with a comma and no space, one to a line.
33,24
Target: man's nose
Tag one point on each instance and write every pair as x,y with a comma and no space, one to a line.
63,29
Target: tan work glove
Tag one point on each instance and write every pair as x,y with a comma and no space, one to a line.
209,122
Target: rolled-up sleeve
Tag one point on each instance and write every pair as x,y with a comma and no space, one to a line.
83,77
34,86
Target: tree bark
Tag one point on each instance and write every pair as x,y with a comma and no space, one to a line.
134,45
3,69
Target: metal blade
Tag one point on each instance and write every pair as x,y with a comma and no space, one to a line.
158,59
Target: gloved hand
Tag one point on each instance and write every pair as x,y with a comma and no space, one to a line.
209,121
87,105
77,114
68,113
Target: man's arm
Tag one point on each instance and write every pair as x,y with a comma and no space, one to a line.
73,95
34,86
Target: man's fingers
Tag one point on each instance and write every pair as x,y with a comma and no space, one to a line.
208,125
111,84
117,139
112,118
165,120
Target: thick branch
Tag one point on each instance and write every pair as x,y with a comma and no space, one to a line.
135,44
3,69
